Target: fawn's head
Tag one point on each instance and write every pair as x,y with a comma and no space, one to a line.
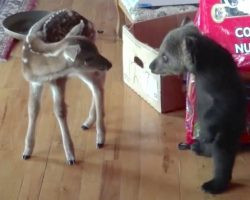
83,53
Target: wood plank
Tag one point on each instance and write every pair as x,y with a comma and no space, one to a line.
161,177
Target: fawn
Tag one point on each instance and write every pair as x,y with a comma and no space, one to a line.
52,63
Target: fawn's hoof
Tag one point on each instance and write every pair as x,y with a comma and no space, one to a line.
100,145
71,162
85,127
26,157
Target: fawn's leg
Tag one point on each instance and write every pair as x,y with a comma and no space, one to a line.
95,81
57,88
98,94
33,110
91,117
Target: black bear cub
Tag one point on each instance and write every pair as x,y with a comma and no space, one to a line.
221,100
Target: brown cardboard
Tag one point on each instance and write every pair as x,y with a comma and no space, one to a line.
140,43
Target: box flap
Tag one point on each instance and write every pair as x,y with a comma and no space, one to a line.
152,32
150,3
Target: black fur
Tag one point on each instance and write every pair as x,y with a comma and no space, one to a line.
221,101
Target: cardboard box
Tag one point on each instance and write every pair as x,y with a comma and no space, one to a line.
151,3
140,43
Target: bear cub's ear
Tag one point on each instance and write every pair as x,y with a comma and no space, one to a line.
190,43
189,48
185,21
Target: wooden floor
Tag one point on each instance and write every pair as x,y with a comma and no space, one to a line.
140,160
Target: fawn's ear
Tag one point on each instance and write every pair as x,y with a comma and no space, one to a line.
90,25
76,30
71,52
91,31
185,21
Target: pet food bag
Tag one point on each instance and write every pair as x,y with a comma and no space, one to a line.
226,22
